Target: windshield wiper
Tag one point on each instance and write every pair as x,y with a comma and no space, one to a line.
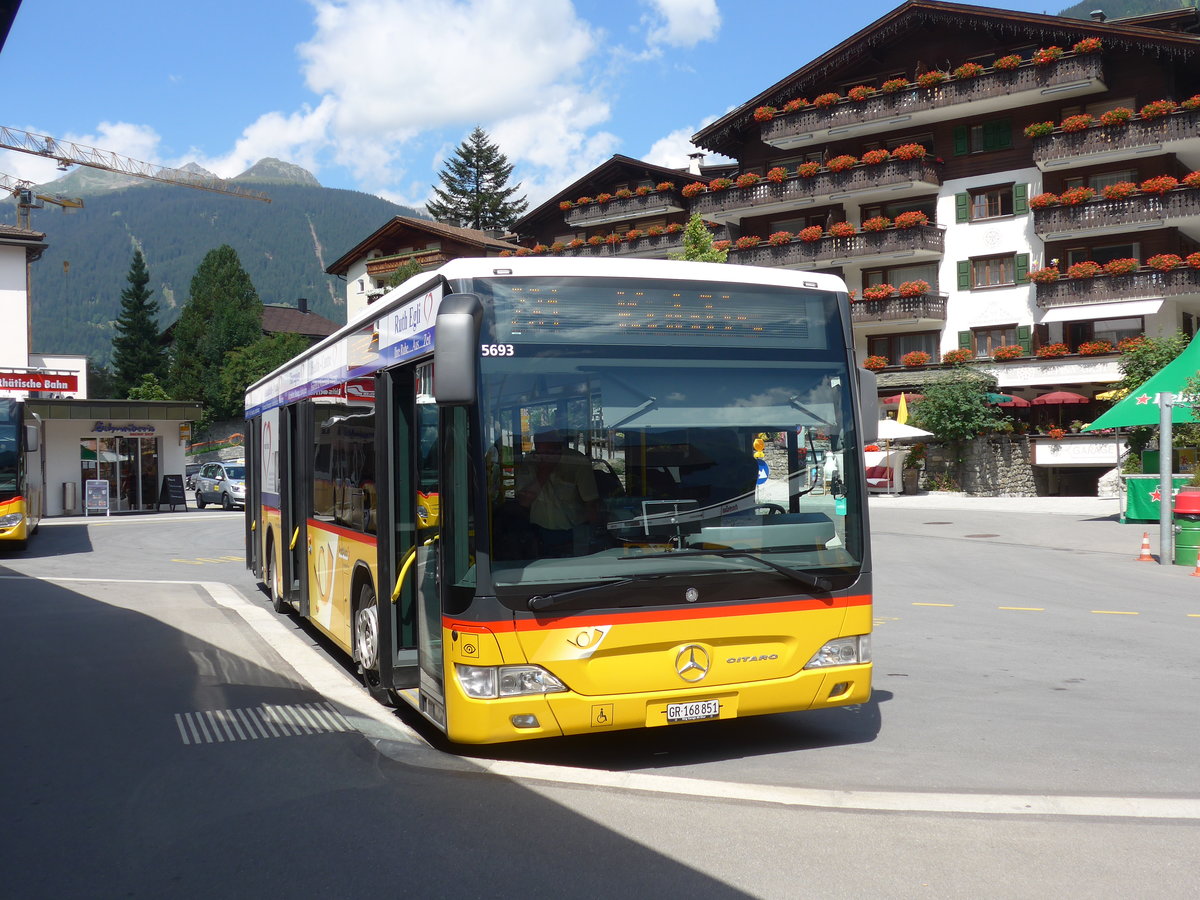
560,598
813,581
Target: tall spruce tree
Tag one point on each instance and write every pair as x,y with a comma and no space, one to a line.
136,347
474,190
223,313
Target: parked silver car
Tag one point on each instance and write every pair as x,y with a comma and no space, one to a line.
223,483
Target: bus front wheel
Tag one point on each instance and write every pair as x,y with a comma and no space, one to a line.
366,644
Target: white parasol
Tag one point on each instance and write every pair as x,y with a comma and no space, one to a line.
891,430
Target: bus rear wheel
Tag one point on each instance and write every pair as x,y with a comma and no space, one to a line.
366,644
280,605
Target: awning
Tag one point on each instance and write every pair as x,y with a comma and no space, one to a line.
1089,311
1141,406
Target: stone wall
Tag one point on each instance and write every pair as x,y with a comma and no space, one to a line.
220,434
992,466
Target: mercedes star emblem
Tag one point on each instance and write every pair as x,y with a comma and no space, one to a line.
692,662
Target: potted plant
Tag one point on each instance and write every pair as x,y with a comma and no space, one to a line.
1009,351
968,70
1192,179
1080,122
654,231
747,242
825,101
1056,433
674,228
876,157
1192,102
764,113
911,219
796,105
1094,348
841,230
1119,115
1157,109
1047,55
1052,351
623,194
664,186
747,179
808,169
1165,262
779,238
875,363
878,292
1087,45
1085,269
841,163
1043,200
603,198
1039,129
876,223
1047,275
811,234
1076,195
777,175
1121,190
909,151
720,184
915,359
892,85
914,288
1193,260
1007,63
860,92
694,189
1121,266
932,78
957,357
564,205
1159,184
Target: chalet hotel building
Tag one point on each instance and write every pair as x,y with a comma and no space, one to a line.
1016,189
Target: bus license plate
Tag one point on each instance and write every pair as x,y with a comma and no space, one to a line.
690,712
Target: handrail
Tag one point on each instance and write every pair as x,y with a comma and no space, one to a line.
409,558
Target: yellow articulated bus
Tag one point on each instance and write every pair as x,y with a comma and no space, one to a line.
21,474
537,497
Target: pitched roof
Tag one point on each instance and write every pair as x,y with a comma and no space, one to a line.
397,225
914,15
614,167
277,319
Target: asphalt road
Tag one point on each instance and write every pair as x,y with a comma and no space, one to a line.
166,735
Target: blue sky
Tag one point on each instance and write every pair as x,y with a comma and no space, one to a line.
373,95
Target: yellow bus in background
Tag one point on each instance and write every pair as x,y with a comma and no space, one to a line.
21,474
538,497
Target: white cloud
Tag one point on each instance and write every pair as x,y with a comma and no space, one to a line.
683,23
297,138
118,145
672,150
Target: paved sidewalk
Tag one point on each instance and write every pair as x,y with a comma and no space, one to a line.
1097,507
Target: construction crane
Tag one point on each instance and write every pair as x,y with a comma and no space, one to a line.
28,198
67,154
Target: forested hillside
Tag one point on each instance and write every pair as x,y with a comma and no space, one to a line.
284,245
1116,9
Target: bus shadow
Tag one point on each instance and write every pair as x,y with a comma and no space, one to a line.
57,541
688,744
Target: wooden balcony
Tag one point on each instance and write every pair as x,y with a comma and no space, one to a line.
1174,133
643,248
925,308
991,92
382,266
890,181
619,209
1142,212
893,245
1142,284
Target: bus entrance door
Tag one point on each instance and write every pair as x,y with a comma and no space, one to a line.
293,505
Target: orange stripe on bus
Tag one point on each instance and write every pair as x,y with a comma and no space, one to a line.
608,617
343,532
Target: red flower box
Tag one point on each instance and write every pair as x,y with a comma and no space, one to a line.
841,163
911,219
1121,266
808,169
1086,269
1047,55
1119,115
876,157
1081,122
860,92
749,179
764,113
1052,351
1007,63
1087,45
1121,190
878,292
811,234
876,223
824,101
1165,262
914,288
875,362
1011,351
915,359
779,238
1160,184
892,85
841,229
1157,109
909,151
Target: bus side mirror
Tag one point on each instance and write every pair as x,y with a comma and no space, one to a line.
33,439
456,349
868,402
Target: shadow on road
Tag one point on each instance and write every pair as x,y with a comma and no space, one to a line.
95,762
48,542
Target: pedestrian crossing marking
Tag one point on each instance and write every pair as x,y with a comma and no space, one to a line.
219,726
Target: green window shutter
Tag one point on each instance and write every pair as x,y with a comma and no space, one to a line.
1020,199
1003,129
1022,268
962,207
961,145
964,340
1025,339
991,137
964,274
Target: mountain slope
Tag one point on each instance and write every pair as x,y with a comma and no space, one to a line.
1117,9
284,245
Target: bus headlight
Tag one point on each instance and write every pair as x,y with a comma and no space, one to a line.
490,682
847,651
12,520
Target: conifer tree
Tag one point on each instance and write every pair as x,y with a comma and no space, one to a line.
136,348
698,243
223,313
475,191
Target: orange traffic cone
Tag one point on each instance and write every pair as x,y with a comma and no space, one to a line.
1196,571
1145,557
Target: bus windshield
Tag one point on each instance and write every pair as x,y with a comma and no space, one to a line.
676,430
10,424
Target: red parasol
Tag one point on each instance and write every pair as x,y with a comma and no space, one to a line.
1058,398
1014,400
895,400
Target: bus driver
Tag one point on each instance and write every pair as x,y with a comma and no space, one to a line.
556,485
